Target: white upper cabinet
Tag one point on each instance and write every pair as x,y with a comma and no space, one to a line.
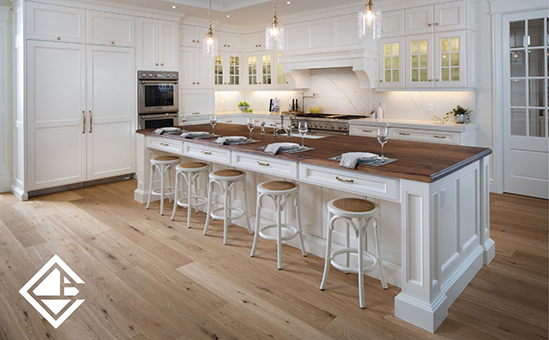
230,42
392,24
55,23
256,41
110,29
191,36
297,37
158,43
392,62
436,18
196,69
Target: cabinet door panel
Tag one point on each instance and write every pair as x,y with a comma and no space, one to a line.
148,44
392,65
56,23
111,29
168,46
110,142
346,32
233,42
392,24
56,119
186,66
419,20
187,36
419,63
204,69
450,59
450,16
296,38
321,35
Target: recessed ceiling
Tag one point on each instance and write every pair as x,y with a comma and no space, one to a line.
242,12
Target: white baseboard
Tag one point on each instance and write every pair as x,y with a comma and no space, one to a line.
19,193
492,185
4,181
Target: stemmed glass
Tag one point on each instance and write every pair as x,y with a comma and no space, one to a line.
302,128
382,138
183,119
251,125
213,121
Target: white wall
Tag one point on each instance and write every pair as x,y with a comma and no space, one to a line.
5,52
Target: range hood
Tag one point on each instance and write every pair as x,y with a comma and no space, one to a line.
363,62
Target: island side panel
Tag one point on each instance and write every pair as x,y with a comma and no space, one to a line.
488,244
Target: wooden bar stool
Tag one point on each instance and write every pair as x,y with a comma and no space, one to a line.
164,164
366,213
280,192
226,179
189,172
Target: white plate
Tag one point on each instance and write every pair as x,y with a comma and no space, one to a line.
362,155
198,133
235,138
171,129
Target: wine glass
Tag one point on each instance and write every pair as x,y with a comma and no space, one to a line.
382,138
251,125
213,121
302,128
183,119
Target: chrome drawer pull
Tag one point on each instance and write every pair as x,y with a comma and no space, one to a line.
403,134
366,130
164,144
206,153
345,180
441,137
264,164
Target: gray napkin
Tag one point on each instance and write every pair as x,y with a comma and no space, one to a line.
273,148
194,133
223,140
350,159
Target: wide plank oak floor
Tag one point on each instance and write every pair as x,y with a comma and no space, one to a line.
147,277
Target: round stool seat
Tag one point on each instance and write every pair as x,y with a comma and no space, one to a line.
227,173
162,159
192,165
356,205
278,185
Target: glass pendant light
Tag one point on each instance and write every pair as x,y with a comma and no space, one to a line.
369,21
274,33
209,41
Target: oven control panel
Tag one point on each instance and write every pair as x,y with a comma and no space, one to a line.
157,75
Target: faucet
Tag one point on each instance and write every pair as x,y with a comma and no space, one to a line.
262,128
303,96
276,129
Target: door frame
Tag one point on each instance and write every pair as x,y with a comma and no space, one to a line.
504,8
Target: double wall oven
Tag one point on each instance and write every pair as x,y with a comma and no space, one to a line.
158,99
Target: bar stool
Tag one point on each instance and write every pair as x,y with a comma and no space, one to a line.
366,212
280,192
163,164
226,179
189,172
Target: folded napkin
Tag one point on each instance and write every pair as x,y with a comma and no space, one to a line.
160,131
350,159
273,148
223,140
194,133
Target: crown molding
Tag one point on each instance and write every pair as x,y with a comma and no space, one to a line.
512,6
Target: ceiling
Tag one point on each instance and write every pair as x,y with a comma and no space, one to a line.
242,12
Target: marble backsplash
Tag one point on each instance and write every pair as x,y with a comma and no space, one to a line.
338,90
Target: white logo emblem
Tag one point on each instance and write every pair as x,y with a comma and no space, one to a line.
52,291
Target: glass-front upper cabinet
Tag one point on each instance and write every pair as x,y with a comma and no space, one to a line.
450,59
234,70
227,71
260,71
420,61
218,70
281,80
252,71
392,65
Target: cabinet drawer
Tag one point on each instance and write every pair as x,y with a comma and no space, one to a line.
207,153
111,29
166,145
443,137
366,131
56,23
266,165
350,181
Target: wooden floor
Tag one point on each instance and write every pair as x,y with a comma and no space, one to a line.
149,278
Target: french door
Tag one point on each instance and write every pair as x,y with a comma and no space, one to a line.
526,96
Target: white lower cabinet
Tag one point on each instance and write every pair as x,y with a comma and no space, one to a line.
419,135
72,139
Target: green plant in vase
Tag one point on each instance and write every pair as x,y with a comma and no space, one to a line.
462,115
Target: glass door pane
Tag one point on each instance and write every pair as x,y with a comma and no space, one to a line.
266,69
252,70
419,51
218,70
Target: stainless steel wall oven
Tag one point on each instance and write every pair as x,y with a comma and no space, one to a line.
158,99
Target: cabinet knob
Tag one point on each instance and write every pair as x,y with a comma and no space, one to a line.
436,79
381,80
225,45
162,64
436,23
156,64
58,38
430,79
255,45
112,42
259,45
194,83
228,45
429,25
197,41
197,83
193,41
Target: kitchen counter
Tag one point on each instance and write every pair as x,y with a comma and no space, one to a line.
434,204
413,124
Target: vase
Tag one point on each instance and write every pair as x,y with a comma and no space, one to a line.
460,119
243,108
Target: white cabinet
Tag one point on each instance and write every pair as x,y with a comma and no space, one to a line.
255,42
297,37
419,61
436,18
111,108
196,103
110,29
191,36
158,43
345,32
196,69
79,131
228,71
392,62
230,42
392,24
260,71
56,23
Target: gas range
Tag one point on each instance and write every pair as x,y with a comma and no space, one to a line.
330,123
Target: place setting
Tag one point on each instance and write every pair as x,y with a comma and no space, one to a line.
202,134
351,159
239,140
288,147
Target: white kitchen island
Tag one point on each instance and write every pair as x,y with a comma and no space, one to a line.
434,204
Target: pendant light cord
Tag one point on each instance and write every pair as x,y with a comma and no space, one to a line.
210,13
274,12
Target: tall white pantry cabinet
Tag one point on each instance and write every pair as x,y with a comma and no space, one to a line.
75,101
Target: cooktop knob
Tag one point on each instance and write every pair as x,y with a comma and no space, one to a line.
333,126
316,125
159,75
340,126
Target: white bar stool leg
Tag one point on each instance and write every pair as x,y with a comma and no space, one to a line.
360,268
151,179
347,244
246,206
328,253
378,254
209,210
278,233
225,211
299,233
189,180
162,173
175,197
257,222
169,171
